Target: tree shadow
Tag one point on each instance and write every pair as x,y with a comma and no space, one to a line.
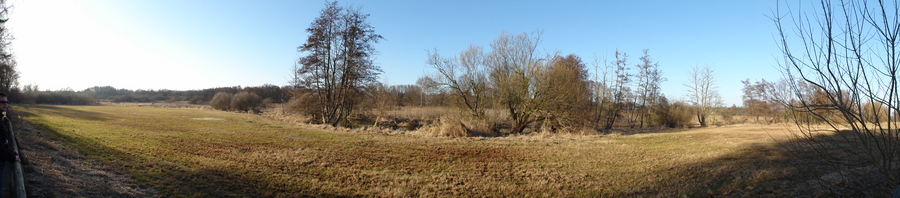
55,171
157,178
787,169
65,112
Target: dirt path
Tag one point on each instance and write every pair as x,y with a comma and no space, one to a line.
53,170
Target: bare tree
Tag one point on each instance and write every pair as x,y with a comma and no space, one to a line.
9,76
432,92
339,60
465,76
610,90
407,95
758,101
647,91
517,74
848,52
702,93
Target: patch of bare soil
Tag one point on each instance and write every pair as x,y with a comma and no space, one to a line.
53,170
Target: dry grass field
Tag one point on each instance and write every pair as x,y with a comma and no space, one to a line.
167,152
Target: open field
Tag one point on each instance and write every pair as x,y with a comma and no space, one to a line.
205,153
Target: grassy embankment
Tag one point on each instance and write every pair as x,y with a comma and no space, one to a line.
251,155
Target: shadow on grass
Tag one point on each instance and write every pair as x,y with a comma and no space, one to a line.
788,169
54,171
168,179
68,112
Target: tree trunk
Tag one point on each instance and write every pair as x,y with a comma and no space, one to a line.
701,118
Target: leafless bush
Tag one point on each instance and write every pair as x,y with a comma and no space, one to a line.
221,101
245,101
673,115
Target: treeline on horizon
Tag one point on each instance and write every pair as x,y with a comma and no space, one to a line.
402,95
30,94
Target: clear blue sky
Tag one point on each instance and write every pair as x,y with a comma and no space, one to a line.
196,44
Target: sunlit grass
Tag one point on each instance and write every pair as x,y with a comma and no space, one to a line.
251,155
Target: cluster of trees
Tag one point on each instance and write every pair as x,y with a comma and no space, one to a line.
768,102
270,92
30,95
336,75
559,91
406,95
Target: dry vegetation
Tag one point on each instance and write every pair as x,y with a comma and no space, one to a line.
53,169
166,152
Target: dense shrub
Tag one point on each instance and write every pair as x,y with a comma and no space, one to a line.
306,104
673,115
244,101
221,101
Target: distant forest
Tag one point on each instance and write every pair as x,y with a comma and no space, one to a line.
401,95
93,95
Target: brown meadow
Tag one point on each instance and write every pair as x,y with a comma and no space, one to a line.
167,152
